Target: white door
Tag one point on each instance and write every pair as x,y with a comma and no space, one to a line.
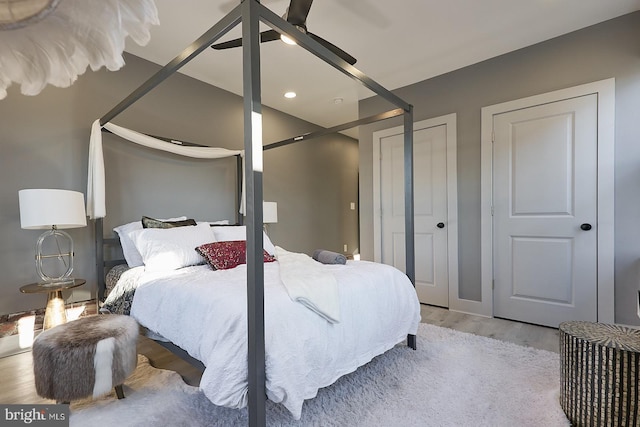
430,208
545,160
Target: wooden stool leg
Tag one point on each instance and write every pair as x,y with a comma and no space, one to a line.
119,392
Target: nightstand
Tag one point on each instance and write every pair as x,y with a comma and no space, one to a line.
55,313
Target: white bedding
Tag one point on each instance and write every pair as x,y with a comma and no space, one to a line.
310,284
204,312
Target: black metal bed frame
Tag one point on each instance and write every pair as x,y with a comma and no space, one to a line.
250,13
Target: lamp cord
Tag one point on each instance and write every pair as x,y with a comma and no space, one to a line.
60,257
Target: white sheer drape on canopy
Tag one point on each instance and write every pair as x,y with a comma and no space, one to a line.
96,205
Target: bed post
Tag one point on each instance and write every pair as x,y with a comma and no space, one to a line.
408,196
408,206
99,239
253,184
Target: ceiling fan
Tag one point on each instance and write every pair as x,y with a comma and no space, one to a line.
296,15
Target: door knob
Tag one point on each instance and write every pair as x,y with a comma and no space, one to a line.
440,225
585,227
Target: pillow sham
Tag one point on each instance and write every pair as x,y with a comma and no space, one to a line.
239,232
148,222
229,254
214,223
164,249
131,254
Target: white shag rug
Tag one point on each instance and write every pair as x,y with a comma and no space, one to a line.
453,379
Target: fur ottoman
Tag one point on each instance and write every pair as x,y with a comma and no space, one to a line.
86,357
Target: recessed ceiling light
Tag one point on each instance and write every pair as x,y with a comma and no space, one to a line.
290,95
287,40
337,101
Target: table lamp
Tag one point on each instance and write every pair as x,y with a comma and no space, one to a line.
269,213
53,210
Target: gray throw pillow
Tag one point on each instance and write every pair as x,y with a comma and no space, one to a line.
148,222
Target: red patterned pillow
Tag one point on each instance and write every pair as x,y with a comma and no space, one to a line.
226,255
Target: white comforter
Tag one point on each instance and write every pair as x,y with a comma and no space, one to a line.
310,284
204,312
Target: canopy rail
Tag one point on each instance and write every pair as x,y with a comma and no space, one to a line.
304,40
310,135
225,25
221,28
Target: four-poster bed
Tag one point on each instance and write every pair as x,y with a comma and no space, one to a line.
250,13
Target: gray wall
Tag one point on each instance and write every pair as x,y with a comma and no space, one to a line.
610,49
44,144
318,186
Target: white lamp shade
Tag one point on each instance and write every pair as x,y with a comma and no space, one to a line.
44,208
269,212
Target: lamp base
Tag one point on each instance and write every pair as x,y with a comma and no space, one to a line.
62,257
55,314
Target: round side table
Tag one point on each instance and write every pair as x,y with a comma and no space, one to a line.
55,313
600,374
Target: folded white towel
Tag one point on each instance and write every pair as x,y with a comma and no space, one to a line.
309,283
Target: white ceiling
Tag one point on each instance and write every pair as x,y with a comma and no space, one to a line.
396,42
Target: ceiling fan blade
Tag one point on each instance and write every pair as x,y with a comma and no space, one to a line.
269,36
333,48
297,16
298,11
265,36
228,45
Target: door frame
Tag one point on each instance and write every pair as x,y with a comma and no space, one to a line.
450,121
605,91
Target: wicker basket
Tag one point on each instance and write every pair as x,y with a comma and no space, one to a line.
599,374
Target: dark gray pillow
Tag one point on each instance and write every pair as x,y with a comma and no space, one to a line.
148,222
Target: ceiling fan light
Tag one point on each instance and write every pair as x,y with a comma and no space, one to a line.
19,13
287,40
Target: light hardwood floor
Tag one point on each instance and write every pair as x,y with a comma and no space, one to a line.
16,372
540,337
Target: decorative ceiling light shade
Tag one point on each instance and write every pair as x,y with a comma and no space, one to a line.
54,41
20,13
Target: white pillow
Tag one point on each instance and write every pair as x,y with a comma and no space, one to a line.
221,222
131,254
239,232
164,249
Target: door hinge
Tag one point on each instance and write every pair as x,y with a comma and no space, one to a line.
493,284
491,210
493,137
